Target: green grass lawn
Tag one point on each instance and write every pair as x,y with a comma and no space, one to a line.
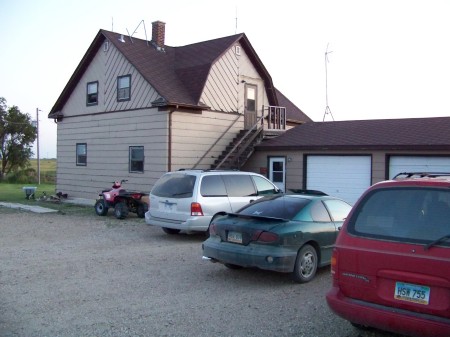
14,193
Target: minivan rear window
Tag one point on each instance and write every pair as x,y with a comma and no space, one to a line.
406,214
174,186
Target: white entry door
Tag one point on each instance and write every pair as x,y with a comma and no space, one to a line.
277,172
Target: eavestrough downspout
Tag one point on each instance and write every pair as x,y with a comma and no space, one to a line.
169,143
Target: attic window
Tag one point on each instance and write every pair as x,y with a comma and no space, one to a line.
237,50
92,93
124,88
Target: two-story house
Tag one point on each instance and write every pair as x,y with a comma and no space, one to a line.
136,108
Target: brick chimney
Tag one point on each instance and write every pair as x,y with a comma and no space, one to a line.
158,33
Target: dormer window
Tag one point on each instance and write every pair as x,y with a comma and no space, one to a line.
92,93
124,88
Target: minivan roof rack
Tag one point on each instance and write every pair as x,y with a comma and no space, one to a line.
421,174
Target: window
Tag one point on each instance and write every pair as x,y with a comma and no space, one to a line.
174,186
92,93
81,154
263,186
239,185
136,159
250,97
124,88
213,186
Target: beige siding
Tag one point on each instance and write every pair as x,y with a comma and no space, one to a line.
108,137
193,135
224,89
295,164
105,68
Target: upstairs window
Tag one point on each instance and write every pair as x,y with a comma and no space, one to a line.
81,154
250,98
124,88
136,162
92,93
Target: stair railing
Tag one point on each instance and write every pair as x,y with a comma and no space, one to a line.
254,127
217,140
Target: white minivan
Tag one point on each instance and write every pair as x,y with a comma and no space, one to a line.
187,200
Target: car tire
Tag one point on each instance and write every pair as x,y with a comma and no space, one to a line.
232,266
141,210
305,264
121,210
361,327
170,230
100,207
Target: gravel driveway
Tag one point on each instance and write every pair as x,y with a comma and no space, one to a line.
85,275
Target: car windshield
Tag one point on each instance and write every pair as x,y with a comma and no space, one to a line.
283,207
174,186
404,214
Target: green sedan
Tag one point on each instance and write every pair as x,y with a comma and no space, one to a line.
284,233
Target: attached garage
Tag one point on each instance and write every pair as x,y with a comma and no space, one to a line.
343,158
345,177
398,164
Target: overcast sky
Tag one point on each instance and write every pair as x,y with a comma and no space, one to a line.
387,58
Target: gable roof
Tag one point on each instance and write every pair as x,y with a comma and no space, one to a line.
178,74
294,114
381,134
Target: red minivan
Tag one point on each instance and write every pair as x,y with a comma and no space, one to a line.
391,261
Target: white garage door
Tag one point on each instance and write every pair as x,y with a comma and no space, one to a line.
345,177
398,164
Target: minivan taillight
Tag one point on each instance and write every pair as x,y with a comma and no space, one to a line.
196,209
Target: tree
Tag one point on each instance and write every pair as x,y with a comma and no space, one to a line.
17,135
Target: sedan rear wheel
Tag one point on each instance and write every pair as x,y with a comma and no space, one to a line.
232,266
305,265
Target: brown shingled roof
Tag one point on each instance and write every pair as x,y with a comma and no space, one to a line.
294,114
382,134
178,74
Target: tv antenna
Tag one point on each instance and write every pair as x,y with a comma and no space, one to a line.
235,29
327,108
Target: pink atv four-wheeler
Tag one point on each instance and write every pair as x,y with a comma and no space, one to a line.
122,201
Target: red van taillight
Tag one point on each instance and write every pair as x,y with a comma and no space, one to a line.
196,209
334,263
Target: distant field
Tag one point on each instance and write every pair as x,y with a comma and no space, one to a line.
48,169
47,165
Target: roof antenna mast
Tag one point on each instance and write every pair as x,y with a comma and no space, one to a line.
327,108
235,29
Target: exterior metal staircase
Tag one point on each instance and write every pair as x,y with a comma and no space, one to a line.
239,150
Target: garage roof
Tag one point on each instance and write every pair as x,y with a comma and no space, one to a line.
429,134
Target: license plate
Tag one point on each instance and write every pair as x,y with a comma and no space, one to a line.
235,237
412,293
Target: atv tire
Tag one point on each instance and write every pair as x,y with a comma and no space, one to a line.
101,208
121,210
141,210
